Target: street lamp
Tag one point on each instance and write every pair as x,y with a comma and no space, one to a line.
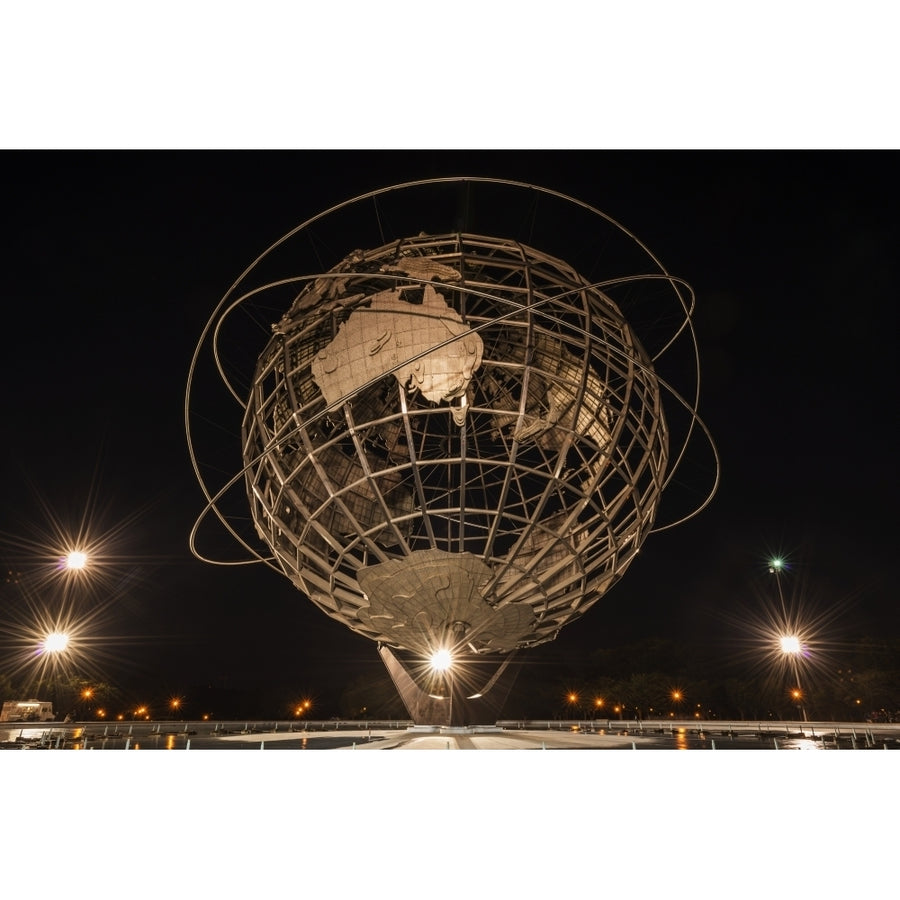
54,645
797,694
792,647
789,642
776,567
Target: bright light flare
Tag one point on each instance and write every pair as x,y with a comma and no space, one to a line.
56,642
83,553
70,574
790,633
43,637
447,668
76,559
441,660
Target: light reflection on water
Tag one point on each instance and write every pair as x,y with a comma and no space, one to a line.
681,742
802,744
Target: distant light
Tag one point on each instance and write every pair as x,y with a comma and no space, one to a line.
441,660
776,565
56,642
790,644
77,559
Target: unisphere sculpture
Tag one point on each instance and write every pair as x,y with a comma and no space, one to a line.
452,441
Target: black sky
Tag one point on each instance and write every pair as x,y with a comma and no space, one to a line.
115,260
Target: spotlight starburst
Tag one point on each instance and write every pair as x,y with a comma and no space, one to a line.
66,576
789,636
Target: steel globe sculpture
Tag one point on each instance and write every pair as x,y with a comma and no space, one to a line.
452,440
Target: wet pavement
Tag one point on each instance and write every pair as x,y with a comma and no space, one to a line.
403,736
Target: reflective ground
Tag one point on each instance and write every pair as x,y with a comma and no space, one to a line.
401,736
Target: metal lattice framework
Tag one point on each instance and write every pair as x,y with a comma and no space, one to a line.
452,434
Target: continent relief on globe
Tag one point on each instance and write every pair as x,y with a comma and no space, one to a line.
427,347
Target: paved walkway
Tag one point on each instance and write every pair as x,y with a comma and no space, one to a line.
461,739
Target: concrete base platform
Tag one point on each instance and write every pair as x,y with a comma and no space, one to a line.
418,738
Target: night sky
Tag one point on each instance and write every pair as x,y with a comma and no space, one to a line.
114,260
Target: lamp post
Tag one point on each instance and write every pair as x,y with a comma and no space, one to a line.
792,647
55,645
789,641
